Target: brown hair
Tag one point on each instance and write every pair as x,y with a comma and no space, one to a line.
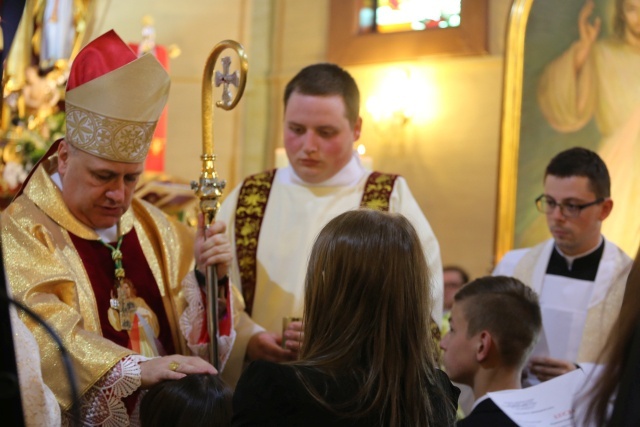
326,79
506,308
367,314
195,400
579,161
615,355
461,271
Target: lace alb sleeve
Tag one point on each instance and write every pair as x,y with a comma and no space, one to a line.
103,404
193,319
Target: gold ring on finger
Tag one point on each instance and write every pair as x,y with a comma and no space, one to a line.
174,366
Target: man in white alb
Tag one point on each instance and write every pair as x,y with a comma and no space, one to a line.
273,217
579,275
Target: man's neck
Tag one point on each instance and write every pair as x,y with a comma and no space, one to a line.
496,379
573,256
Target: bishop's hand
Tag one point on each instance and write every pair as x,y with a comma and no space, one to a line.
172,367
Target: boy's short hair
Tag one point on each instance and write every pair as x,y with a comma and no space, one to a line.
508,309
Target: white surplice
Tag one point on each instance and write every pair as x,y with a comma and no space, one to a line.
295,214
591,309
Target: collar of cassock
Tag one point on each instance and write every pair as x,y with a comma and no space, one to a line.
583,266
350,174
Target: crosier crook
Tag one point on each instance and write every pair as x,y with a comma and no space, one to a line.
209,187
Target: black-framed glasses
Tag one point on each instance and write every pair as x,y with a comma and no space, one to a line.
547,205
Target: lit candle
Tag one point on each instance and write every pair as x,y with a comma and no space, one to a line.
282,161
365,161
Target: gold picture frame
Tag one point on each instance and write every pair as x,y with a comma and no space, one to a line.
540,36
510,129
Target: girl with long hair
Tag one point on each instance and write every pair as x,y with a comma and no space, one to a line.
368,357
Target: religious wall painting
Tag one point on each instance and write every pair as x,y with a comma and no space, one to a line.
546,109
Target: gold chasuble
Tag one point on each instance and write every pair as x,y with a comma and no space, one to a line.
57,266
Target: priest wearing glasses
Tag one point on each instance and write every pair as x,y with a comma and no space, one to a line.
578,274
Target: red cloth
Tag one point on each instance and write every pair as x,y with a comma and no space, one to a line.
100,269
155,158
224,323
101,56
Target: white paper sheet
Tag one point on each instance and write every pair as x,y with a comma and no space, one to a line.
564,304
548,404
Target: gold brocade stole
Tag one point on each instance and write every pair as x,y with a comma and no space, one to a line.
377,191
252,203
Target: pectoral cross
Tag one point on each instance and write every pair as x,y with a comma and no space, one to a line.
225,79
123,304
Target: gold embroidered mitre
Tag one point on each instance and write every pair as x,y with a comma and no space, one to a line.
114,99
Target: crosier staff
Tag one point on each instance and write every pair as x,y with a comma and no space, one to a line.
209,187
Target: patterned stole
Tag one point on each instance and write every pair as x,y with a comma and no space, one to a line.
377,191
252,203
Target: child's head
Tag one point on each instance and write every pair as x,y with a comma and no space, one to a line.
195,400
367,316
495,321
366,281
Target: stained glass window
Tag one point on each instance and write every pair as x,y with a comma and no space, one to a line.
392,16
457,27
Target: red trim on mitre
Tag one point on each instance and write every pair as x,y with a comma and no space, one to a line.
101,56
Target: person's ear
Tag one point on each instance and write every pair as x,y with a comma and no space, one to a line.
63,157
605,210
357,129
483,346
